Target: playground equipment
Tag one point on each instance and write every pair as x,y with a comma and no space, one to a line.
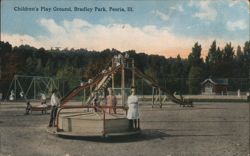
25,87
79,121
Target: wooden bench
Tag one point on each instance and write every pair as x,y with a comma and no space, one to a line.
40,108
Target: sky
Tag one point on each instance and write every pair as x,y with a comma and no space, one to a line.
163,27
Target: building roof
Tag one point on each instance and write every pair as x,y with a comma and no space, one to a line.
216,81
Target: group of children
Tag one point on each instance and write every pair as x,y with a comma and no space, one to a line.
109,101
43,104
133,106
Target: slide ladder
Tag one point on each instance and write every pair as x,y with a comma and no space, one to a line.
99,81
100,85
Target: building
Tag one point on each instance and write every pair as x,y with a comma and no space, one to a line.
214,86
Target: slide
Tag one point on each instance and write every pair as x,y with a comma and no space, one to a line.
153,83
100,78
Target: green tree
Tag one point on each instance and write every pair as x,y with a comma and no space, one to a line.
214,61
195,77
228,54
195,74
246,48
176,75
228,58
194,57
219,54
70,76
212,54
5,48
239,53
246,62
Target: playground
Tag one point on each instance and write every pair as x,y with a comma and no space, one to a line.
169,124
89,117
206,129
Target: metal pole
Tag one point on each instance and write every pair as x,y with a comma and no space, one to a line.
104,124
113,77
58,85
9,90
29,87
15,87
160,98
21,89
84,98
248,100
153,96
34,88
133,72
123,81
63,88
142,88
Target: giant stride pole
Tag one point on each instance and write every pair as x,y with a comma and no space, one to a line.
113,78
123,81
133,73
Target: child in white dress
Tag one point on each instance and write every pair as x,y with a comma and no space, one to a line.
133,110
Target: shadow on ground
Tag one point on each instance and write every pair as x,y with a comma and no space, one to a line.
146,134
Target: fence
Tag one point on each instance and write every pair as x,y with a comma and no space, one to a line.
234,86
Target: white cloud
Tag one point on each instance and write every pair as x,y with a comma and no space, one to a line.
178,7
79,33
76,23
162,16
232,3
206,12
51,26
236,2
236,25
18,39
243,4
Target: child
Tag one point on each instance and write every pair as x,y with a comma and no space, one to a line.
133,110
28,108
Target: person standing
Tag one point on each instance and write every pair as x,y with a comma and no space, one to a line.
28,108
111,100
133,110
96,102
55,102
43,98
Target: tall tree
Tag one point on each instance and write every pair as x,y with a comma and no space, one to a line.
227,64
214,61
194,57
247,48
228,54
239,52
195,72
195,77
212,54
246,66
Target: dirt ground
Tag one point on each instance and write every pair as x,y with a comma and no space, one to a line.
208,129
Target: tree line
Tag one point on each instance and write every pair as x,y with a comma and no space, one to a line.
176,73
